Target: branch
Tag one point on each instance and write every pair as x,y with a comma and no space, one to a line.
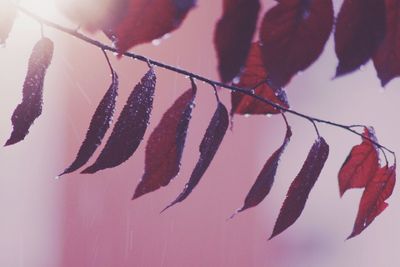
192,75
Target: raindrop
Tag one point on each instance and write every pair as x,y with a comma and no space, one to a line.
269,115
156,42
57,177
247,115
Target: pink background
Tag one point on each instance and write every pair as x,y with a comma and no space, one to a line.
89,220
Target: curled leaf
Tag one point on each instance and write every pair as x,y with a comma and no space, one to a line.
360,165
372,203
8,12
387,58
130,127
265,179
208,148
143,21
233,35
293,35
31,107
254,75
301,187
360,28
98,127
165,145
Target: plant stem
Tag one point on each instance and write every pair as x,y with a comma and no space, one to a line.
192,75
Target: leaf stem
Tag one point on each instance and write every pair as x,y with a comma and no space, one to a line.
105,47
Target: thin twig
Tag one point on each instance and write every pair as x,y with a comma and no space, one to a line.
192,75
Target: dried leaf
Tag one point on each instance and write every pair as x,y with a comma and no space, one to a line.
31,107
8,12
387,57
233,35
130,127
208,148
372,203
360,28
165,145
101,121
360,165
301,187
144,21
255,75
293,34
265,179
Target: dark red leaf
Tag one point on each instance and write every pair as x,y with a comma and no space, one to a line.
144,21
233,35
265,179
293,34
301,187
255,75
387,57
98,127
208,148
360,165
360,28
130,127
31,107
372,203
8,12
165,145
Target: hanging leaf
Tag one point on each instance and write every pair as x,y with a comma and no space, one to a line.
233,35
265,179
372,203
31,107
387,57
360,28
360,165
98,127
293,35
255,76
208,148
144,21
165,145
301,187
8,12
130,127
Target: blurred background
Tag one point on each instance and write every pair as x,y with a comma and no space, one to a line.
89,220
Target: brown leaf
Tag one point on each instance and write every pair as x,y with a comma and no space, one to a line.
360,28
360,165
208,148
265,179
372,203
31,107
387,56
98,127
255,76
130,127
165,145
233,35
293,35
301,187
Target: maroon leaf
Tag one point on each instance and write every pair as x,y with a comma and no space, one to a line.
165,145
130,127
372,203
293,34
98,127
301,186
144,21
360,28
265,179
31,107
360,165
387,57
8,12
208,148
233,35
255,76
